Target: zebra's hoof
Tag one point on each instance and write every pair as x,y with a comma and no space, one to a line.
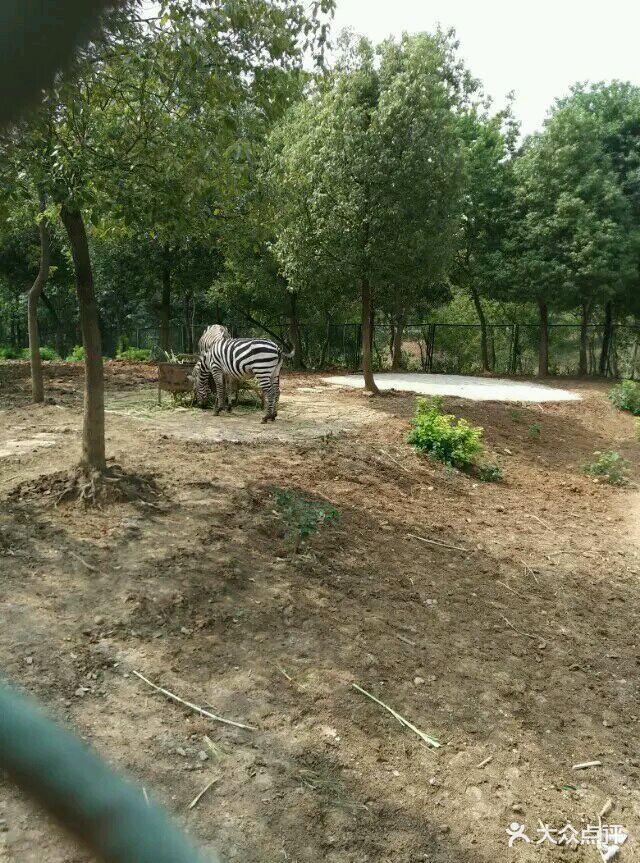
264,420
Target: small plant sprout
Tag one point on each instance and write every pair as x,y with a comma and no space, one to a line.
534,431
302,516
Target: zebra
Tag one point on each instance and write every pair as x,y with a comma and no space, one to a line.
212,334
242,358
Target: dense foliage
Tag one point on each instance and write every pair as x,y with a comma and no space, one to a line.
218,179
626,396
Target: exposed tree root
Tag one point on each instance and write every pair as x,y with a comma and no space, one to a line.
92,488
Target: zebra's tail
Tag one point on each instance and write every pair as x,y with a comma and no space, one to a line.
288,356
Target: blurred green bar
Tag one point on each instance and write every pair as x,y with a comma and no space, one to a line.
109,814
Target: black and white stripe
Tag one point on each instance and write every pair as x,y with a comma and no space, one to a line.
203,384
212,335
243,358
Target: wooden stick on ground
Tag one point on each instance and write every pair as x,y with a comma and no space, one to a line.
485,761
81,560
199,796
426,738
542,522
608,806
502,583
584,764
437,542
395,461
527,568
194,707
538,638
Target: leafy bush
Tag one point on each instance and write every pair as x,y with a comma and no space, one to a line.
610,466
76,355
9,353
454,442
134,355
534,431
303,517
46,353
626,397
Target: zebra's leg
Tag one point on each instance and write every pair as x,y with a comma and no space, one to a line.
235,389
276,396
218,377
265,392
201,383
270,390
231,387
275,391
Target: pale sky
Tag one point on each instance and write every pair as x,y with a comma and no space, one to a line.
537,48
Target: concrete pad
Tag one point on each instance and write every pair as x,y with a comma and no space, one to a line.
468,387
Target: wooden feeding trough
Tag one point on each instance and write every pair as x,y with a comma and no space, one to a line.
175,377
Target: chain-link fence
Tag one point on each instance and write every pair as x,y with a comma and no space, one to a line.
438,347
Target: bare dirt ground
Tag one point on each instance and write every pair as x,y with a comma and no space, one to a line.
519,643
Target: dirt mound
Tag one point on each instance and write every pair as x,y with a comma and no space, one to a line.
90,488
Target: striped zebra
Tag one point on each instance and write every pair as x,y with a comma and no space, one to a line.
238,359
213,334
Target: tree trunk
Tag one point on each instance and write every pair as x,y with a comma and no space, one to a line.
37,385
634,358
583,368
367,337
396,352
93,450
543,343
188,306
484,341
325,344
60,346
606,338
165,301
294,331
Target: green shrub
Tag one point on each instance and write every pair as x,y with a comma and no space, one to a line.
626,397
76,355
134,355
303,517
610,466
9,353
454,442
534,431
46,353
